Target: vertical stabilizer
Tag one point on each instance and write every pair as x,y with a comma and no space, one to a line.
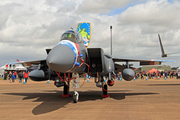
162,49
48,50
84,29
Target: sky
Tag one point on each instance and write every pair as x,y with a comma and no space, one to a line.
28,27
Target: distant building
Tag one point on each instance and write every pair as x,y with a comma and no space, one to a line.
159,67
174,68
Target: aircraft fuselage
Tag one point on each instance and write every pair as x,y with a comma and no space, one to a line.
68,56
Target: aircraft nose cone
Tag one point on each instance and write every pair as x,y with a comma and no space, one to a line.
60,58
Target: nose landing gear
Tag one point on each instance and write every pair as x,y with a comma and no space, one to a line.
75,96
75,85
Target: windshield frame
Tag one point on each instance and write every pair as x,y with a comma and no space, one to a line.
77,36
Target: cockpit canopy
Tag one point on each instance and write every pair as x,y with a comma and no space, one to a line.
72,36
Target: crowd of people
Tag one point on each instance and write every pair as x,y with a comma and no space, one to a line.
16,75
150,75
23,75
118,76
157,75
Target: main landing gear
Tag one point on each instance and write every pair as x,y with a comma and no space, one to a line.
102,84
105,90
66,90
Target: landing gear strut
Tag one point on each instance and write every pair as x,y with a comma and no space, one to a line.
75,85
104,89
100,83
66,89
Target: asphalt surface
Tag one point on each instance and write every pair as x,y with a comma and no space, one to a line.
134,100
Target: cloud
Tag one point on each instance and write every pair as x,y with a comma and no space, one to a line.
104,6
152,16
27,29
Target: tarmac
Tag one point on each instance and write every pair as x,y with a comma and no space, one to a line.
150,99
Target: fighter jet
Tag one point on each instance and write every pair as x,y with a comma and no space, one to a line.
71,58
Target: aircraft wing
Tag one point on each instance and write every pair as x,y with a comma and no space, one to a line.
142,62
30,63
12,63
37,62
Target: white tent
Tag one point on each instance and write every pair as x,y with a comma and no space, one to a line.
178,69
13,67
1,72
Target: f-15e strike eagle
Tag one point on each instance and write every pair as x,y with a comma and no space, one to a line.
71,57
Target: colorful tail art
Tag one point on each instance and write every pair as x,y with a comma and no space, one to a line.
84,29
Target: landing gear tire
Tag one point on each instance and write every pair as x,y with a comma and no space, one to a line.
105,90
66,89
75,98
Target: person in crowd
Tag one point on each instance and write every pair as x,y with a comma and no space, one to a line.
156,74
145,73
165,74
159,75
149,75
10,76
120,75
26,76
15,74
117,75
162,73
5,75
142,75
13,77
20,75
137,75
171,74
